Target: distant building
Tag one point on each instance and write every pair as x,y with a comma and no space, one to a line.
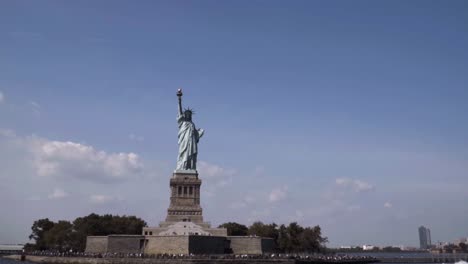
368,247
461,240
441,244
410,248
10,249
424,237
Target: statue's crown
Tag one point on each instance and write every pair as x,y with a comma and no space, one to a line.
189,110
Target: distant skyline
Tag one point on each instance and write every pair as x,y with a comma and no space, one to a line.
351,115
424,237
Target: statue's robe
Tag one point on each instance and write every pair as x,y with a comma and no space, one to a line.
188,141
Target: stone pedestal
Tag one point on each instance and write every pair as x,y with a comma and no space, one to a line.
185,198
184,215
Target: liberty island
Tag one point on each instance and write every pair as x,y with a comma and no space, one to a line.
184,236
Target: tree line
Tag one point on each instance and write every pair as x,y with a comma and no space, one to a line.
71,235
288,239
65,235
454,248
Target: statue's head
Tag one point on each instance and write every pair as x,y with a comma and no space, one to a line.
188,114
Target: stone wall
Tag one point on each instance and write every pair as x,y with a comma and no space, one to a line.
179,244
167,245
185,245
96,244
268,245
154,231
208,245
217,231
250,245
125,243
165,224
185,198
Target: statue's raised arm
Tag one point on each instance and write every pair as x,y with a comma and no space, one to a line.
179,95
188,137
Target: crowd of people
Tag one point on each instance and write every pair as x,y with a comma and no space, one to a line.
305,257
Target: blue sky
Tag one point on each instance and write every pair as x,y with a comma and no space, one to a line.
347,114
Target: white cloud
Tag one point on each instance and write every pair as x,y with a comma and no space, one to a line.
353,208
66,159
361,186
278,194
260,214
2,97
58,194
243,202
101,199
209,170
356,185
388,205
342,181
77,169
216,177
134,137
35,107
345,196
59,158
299,214
259,170
32,103
7,133
237,205
33,198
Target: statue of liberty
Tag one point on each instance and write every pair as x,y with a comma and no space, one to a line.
188,136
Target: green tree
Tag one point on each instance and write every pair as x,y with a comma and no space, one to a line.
235,229
311,239
96,225
283,241
39,229
264,230
463,247
295,238
59,236
294,231
65,235
29,247
450,248
391,249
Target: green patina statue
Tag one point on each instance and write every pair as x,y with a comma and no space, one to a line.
188,136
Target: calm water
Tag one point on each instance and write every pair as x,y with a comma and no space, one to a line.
9,261
405,254
414,255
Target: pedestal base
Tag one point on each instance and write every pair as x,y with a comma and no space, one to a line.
185,198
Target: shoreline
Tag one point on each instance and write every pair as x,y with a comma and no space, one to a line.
214,260
208,260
